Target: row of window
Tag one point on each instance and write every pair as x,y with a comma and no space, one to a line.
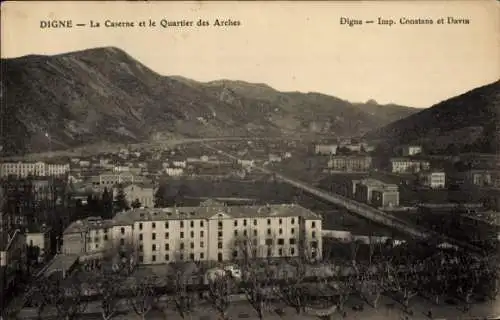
220,224
235,255
220,234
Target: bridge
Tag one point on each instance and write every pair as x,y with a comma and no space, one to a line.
363,210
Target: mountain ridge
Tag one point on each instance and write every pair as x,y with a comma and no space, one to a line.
70,99
468,122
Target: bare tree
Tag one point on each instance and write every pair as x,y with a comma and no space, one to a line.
291,289
407,283
179,279
255,279
142,294
220,287
67,295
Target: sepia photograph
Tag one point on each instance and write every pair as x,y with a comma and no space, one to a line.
226,160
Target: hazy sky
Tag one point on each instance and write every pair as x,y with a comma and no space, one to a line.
289,45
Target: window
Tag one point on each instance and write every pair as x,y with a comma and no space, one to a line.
153,225
201,223
244,222
280,252
293,220
192,224
255,222
122,230
235,223
182,246
122,241
153,257
202,244
235,233
255,232
192,234
281,231
201,234
166,235
219,245
140,226
105,230
181,257
182,224
202,256
292,231
268,222
220,234
141,248
96,245
153,236
314,244
166,227
191,256
182,235
281,241
269,231
280,221
313,224
105,237
292,241
167,247
269,252
153,247
245,233
96,239
140,237
269,242
141,259
220,224
167,257
292,251
314,234
192,245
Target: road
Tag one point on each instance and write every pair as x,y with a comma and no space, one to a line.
361,209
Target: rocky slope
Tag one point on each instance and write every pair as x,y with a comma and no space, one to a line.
467,123
103,94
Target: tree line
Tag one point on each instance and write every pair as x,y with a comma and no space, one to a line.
269,285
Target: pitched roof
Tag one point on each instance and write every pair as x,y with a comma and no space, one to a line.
230,212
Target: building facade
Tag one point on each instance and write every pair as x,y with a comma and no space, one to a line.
409,165
411,150
217,233
433,179
328,149
110,180
38,169
138,191
350,163
377,193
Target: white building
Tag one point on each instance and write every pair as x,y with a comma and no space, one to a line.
118,169
174,172
142,192
218,233
41,169
409,165
411,150
246,163
179,163
39,237
433,179
327,149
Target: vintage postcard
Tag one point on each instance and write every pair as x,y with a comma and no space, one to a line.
250,160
